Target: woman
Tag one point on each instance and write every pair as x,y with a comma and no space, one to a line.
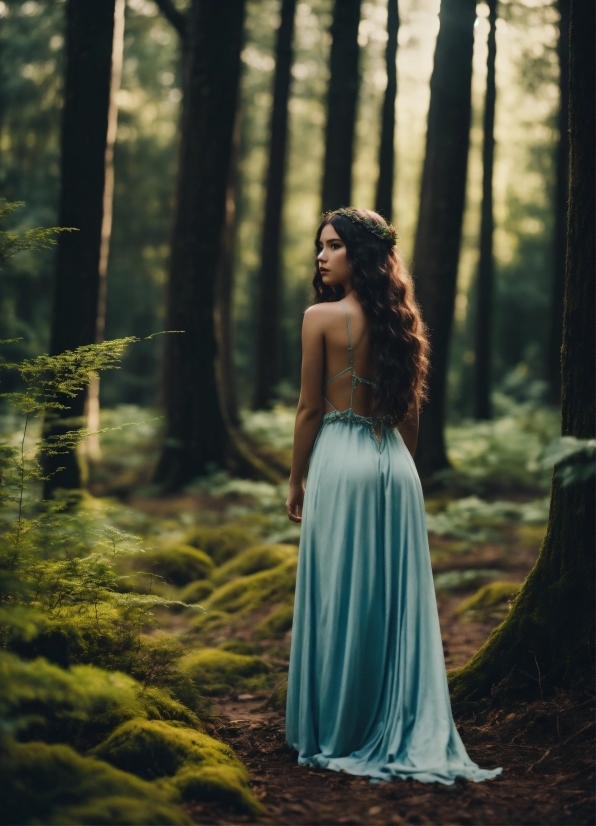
367,689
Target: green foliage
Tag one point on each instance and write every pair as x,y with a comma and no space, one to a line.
253,560
178,564
559,451
217,672
476,520
201,768
220,543
53,784
33,239
495,593
464,579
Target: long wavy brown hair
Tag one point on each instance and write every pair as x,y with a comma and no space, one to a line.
384,286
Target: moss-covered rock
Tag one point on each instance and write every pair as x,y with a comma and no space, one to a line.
252,560
80,706
249,593
489,596
178,564
276,625
197,591
55,785
201,767
221,543
216,672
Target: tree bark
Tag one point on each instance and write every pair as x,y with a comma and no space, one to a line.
384,195
342,99
195,426
224,293
91,447
442,200
486,265
547,640
561,195
89,34
270,280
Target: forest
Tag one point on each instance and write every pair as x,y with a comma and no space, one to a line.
163,168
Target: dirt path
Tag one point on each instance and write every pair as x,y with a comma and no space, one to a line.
546,749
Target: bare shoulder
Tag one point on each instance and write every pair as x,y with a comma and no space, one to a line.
321,313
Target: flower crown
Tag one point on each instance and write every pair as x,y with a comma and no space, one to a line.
384,233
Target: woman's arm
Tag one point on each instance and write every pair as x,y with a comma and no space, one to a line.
409,428
310,407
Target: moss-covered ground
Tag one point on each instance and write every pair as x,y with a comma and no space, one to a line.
185,717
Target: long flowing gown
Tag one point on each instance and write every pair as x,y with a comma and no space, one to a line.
367,690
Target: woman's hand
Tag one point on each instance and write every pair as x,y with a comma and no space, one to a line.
294,502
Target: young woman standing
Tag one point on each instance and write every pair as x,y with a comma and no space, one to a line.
367,689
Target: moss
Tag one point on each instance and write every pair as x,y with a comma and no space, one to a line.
79,706
217,672
179,564
200,767
278,698
276,625
249,593
489,596
252,560
55,785
196,591
221,543
225,784
239,647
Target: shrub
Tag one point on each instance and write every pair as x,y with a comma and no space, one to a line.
220,543
216,672
179,564
202,768
252,560
70,789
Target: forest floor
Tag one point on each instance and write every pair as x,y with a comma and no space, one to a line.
488,531
545,748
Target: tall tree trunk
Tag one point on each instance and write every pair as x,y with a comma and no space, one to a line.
224,293
91,447
384,196
561,195
442,199
195,426
89,34
486,265
342,98
270,281
549,633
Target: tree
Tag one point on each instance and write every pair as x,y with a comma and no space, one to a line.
549,632
91,445
196,435
89,34
486,264
384,195
561,193
342,98
442,198
224,293
270,282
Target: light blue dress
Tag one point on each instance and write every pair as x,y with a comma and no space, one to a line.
367,690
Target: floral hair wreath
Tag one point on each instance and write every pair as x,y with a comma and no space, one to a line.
384,233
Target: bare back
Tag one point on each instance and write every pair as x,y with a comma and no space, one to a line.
348,360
